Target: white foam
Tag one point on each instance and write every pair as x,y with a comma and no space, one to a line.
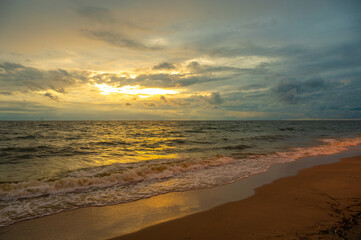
112,175
119,183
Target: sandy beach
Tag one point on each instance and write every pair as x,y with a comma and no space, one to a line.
323,202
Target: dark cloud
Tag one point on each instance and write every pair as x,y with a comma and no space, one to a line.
16,77
223,69
195,66
163,80
247,49
214,99
293,90
52,96
313,82
165,66
6,93
356,109
119,40
251,86
23,106
298,59
97,14
262,24
339,57
149,104
163,99
179,102
104,18
128,104
295,59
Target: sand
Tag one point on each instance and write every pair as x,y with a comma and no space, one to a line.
323,202
319,203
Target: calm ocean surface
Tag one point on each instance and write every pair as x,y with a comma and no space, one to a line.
47,167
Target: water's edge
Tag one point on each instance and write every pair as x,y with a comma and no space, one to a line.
116,220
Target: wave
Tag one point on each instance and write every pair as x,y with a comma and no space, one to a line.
117,174
26,149
126,182
111,143
237,147
330,146
287,129
28,137
102,177
45,150
270,138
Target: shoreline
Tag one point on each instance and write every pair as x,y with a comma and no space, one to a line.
117,220
322,202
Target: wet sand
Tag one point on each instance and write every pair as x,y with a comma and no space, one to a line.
322,202
319,203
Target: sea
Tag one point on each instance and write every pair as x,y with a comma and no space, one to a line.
51,166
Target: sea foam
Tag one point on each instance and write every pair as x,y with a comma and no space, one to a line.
119,183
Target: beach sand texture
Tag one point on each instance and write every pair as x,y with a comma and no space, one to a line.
323,202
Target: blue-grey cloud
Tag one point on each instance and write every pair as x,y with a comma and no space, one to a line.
214,99
164,66
119,40
97,14
16,77
292,90
26,107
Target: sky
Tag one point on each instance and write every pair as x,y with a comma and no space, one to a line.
169,60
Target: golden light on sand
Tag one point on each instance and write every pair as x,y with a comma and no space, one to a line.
133,90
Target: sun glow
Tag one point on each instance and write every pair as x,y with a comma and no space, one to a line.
133,90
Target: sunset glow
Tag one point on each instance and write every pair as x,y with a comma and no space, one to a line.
179,60
133,90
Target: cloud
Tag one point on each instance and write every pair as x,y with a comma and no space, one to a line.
179,102
292,90
194,66
96,14
246,115
16,77
356,109
249,87
163,80
197,68
52,96
23,106
164,66
296,59
103,17
120,40
163,99
214,99
147,104
6,93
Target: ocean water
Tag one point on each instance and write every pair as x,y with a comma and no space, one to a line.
51,166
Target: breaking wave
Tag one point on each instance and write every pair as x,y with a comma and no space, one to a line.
107,176
118,183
